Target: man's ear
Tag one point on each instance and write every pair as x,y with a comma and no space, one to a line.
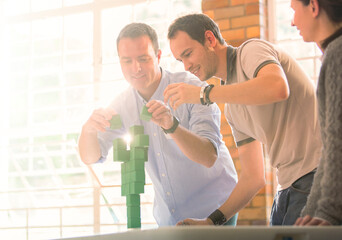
159,54
314,8
210,38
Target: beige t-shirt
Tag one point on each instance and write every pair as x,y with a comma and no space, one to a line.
289,129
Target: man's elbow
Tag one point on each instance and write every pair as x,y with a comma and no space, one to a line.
260,183
282,91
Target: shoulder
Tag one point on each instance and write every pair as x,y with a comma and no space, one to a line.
256,48
125,96
334,49
256,43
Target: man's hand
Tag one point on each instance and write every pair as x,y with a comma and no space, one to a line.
311,221
98,120
179,93
161,113
193,221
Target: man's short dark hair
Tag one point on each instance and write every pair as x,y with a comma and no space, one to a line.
195,25
134,30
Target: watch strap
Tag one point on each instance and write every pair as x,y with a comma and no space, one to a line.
174,126
218,217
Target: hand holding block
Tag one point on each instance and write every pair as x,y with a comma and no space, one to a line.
145,115
115,122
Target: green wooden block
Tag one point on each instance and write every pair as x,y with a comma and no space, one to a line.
125,178
119,143
145,115
133,200
139,153
123,168
141,140
136,176
136,130
120,155
135,165
136,188
133,212
133,223
115,122
124,189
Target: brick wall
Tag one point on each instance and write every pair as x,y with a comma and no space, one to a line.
240,20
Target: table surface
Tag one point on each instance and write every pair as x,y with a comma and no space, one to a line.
225,232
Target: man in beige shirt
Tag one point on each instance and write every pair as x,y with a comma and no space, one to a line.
269,99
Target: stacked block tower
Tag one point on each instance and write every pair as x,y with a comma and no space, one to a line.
132,167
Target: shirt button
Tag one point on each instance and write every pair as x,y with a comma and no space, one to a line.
163,174
173,210
158,154
168,193
154,134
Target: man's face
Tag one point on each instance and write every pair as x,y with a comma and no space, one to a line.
197,58
302,19
139,63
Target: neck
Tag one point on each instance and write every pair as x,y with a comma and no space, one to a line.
148,92
221,53
325,28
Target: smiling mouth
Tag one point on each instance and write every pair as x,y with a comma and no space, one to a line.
195,71
138,77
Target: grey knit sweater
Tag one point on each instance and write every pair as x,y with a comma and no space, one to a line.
325,199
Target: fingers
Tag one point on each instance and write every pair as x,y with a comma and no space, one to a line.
298,221
99,120
305,220
169,91
183,223
161,114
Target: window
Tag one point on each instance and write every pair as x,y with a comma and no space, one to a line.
281,33
58,62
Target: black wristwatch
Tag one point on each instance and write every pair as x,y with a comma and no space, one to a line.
218,217
174,126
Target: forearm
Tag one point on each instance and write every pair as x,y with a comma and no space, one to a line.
256,91
244,191
88,147
196,148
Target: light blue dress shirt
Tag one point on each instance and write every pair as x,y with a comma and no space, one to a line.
183,188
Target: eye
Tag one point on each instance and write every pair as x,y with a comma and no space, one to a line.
188,54
144,59
126,61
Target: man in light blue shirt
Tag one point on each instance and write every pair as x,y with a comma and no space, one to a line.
189,165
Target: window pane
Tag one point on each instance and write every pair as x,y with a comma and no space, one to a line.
111,28
40,5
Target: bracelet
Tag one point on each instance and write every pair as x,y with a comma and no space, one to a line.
217,217
202,95
206,93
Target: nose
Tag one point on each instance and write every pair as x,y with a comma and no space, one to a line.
292,23
187,65
136,66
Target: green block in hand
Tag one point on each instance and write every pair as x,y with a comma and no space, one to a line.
145,115
115,122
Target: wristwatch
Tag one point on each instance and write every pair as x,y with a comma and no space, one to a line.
217,217
174,126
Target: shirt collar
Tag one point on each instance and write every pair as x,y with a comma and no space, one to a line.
231,64
158,94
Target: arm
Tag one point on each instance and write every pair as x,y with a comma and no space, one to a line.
269,86
324,202
196,148
252,179
88,144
